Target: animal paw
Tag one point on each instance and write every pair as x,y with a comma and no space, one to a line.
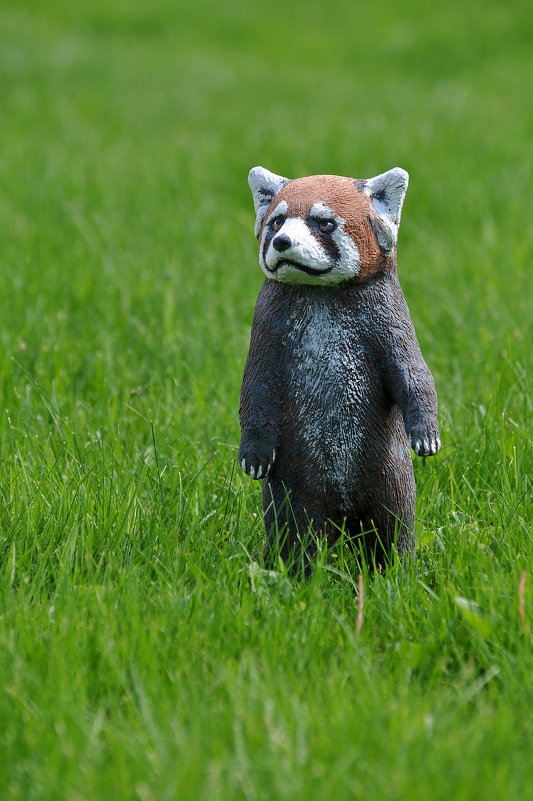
425,440
256,456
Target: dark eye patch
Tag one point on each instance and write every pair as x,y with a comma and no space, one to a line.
277,222
326,225
324,236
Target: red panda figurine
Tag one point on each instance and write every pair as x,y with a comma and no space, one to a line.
335,388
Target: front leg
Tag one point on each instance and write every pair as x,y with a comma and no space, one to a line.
406,376
413,388
260,408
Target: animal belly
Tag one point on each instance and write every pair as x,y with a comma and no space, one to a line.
330,388
325,434
330,447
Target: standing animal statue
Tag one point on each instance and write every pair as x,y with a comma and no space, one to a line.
335,388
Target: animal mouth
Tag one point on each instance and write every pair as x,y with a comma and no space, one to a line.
303,267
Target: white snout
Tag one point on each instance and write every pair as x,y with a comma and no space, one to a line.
304,249
304,259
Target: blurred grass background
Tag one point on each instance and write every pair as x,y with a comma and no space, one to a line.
144,653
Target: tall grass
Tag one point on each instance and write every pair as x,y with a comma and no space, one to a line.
145,652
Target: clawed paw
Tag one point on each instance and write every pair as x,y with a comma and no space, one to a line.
425,441
256,457
255,469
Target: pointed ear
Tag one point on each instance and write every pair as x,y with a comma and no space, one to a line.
265,185
387,192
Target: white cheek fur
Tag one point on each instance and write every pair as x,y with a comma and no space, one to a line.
350,259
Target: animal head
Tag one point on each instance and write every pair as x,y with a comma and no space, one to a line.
326,229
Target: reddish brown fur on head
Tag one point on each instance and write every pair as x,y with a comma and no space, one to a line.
367,215
347,201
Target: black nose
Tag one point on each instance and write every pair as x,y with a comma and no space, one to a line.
281,243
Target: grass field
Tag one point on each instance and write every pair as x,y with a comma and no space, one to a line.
144,652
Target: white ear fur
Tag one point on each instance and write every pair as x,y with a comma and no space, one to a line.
387,193
264,185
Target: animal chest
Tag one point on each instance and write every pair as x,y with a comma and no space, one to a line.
327,383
